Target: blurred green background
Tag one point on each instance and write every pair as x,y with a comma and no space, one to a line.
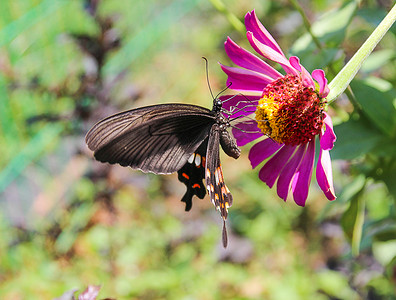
67,221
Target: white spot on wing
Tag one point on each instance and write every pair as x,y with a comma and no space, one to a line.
197,160
217,176
191,158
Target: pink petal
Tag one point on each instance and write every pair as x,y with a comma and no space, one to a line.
246,133
269,53
324,174
283,184
90,293
247,60
302,178
253,24
327,138
245,80
262,150
306,77
237,105
319,76
275,164
295,63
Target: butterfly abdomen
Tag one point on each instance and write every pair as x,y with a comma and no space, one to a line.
229,145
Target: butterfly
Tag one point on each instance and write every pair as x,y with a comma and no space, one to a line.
166,138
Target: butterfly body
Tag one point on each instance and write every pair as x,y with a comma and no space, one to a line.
166,138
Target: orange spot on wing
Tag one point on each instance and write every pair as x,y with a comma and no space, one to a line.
223,191
185,176
196,186
220,171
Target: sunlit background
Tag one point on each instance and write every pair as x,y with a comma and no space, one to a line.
68,221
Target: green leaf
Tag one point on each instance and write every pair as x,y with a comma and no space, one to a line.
388,173
384,252
386,234
78,219
353,220
378,59
354,139
38,43
317,59
372,15
345,76
39,25
336,208
335,284
348,219
138,44
8,126
29,153
329,29
376,98
27,20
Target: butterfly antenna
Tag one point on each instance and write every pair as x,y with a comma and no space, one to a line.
207,76
223,90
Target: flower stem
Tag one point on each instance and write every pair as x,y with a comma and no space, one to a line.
344,77
234,21
358,226
307,24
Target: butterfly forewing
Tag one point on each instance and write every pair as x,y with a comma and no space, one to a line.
157,139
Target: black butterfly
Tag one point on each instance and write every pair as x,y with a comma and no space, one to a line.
166,138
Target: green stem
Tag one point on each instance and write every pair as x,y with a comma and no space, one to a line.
234,21
358,226
344,77
307,24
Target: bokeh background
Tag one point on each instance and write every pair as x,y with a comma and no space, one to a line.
67,221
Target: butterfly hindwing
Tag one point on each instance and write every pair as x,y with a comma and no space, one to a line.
218,191
193,173
157,139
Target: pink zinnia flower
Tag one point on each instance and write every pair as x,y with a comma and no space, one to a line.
289,112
